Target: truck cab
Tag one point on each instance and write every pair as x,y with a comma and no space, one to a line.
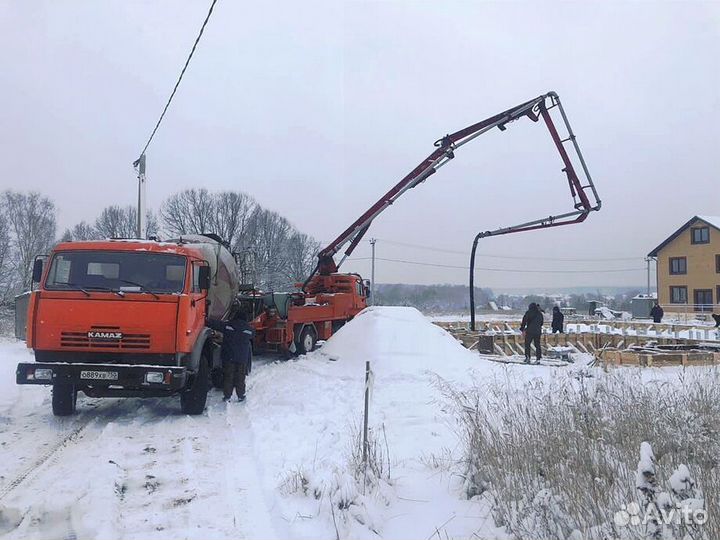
121,318
293,322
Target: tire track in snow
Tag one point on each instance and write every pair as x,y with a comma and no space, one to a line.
138,469
243,479
52,454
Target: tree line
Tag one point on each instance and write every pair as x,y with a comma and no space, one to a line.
272,254
434,299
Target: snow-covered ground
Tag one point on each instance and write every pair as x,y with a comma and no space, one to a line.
124,468
277,466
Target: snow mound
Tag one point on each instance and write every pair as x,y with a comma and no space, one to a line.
397,335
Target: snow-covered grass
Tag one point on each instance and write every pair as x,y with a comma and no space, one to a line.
560,456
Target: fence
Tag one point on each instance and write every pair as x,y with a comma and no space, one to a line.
690,312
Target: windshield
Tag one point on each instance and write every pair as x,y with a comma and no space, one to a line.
117,271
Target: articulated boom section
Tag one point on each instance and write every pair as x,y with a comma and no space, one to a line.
583,192
333,284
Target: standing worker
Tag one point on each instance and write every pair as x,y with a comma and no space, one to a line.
657,313
236,352
558,321
531,327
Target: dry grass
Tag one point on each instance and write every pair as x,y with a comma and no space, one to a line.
559,458
377,466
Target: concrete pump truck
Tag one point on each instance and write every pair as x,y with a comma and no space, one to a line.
294,322
128,317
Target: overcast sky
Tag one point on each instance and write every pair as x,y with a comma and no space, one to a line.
316,109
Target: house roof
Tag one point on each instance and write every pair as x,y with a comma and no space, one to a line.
713,221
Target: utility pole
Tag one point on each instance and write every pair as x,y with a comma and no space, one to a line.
372,273
141,225
647,260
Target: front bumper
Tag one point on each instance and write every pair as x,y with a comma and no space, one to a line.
122,379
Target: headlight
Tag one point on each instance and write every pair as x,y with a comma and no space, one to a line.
42,373
154,377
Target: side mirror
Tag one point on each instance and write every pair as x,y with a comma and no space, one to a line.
204,278
37,270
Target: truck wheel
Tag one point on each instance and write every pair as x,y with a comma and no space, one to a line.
306,342
64,399
192,401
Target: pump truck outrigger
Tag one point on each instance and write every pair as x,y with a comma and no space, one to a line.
327,299
126,317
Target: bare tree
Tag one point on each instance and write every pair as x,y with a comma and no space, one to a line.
197,212
121,222
301,252
268,233
117,222
271,253
231,216
5,258
81,231
32,223
188,212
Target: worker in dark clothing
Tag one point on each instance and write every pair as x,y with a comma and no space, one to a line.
236,352
717,320
531,327
657,313
558,320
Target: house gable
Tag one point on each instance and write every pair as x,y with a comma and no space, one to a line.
713,222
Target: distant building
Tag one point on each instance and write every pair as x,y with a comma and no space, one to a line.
688,266
641,305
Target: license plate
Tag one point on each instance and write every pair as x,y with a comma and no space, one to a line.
99,375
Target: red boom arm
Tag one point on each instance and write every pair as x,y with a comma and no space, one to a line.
534,109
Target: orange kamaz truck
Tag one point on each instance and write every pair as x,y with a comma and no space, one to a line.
118,318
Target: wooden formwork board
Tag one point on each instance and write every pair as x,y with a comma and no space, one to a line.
585,341
659,358
640,327
657,352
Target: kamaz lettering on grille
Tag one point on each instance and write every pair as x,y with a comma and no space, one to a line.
94,334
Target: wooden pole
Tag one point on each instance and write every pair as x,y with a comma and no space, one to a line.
365,418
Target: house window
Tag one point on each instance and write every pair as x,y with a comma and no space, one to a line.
703,299
678,265
700,235
717,264
678,295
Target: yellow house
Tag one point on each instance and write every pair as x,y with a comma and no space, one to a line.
688,266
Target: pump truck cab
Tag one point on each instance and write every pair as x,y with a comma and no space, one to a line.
119,318
292,323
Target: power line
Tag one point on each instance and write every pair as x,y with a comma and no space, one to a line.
419,263
182,72
514,257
